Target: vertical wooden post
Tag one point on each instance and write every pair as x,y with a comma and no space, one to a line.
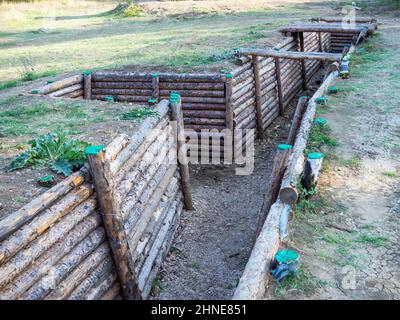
87,85
273,186
321,47
176,115
298,114
257,85
229,156
303,62
155,82
279,85
113,221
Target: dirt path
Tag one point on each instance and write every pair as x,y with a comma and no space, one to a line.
213,243
349,233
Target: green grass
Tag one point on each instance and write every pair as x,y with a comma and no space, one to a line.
374,240
304,284
82,36
33,116
391,174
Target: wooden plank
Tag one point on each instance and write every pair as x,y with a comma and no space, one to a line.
296,55
257,85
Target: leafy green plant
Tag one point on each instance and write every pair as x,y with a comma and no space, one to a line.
139,113
55,151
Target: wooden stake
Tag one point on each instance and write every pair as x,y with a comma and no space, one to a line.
303,63
113,222
155,82
87,85
279,85
256,74
176,115
297,119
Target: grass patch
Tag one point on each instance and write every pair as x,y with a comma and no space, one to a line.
391,174
304,284
353,163
376,241
139,113
319,140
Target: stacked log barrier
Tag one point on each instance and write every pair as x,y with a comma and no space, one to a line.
55,247
139,186
71,87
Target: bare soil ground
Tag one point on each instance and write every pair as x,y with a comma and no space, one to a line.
348,234
213,242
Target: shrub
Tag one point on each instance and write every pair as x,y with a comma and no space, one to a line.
133,10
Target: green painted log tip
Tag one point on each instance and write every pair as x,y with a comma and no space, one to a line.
277,49
87,73
152,101
50,177
320,121
91,150
229,75
321,100
50,81
35,91
333,89
154,75
284,146
315,155
109,98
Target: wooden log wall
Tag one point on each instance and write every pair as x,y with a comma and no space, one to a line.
244,88
142,196
55,247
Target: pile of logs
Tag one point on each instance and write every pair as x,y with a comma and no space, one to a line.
55,247
71,87
142,191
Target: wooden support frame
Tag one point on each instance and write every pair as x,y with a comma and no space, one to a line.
303,63
87,85
279,86
113,222
177,116
295,55
257,85
155,83
228,101
321,27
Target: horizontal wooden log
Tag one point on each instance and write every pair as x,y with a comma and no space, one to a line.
142,134
321,27
123,92
111,76
82,271
14,221
191,86
124,98
195,93
74,94
112,293
96,292
152,204
341,19
202,100
121,85
25,257
291,54
204,114
61,84
66,90
100,271
68,263
252,283
188,77
247,104
203,106
202,127
40,266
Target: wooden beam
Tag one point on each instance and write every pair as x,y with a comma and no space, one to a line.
87,85
321,27
257,85
176,115
301,104
303,63
295,55
113,222
279,85
340,19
